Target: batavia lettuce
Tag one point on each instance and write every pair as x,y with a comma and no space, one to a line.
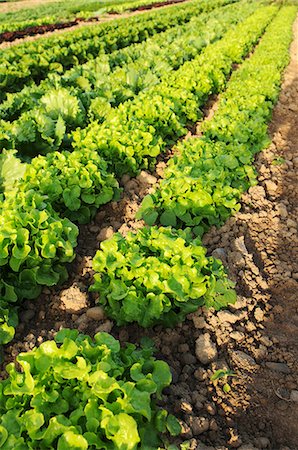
84,394
158,275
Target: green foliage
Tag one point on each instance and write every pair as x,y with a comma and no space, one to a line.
158,275
203,183
49,111
8,321
79,393
223,374
139,130
35,244
34,60
11,169
202,186
76,183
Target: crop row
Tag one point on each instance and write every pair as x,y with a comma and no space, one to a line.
88,93
86,76
203,183
34,60
29,18
35,241
202,187
75,392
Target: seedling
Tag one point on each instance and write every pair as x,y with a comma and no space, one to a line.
221,373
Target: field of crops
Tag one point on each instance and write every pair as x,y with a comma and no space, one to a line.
128,148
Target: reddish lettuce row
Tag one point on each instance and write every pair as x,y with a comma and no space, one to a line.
203,183
79,393
139,130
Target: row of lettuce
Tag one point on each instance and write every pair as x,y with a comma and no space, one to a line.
89,92
31,18
34,60
203,183
35,241
80,393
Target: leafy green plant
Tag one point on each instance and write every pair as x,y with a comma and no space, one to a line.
76,183
158,275
79,393
223,374
140,129
278,161
47,112
203,183
33,61
35,245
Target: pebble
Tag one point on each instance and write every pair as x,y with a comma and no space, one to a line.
271,187
206,350
74,300
200,374
278,367
199,425
220,253
146,178
199,322
186,407
188,358
259,314
294,396
81,319
266,341
105,233
210,409
243,360
226,316
240,245
106,327
237,336
262,442
95,313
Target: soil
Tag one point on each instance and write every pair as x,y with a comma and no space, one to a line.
23,4
256,339
26,34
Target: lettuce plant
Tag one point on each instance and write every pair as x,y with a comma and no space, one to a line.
79,393
76,184
203,183
35,243
158,275
135,133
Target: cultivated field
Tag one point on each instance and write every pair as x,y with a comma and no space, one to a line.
148,227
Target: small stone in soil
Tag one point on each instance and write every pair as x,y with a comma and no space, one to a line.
206,350
95,313
294,396
278,367
243,360
199,425
105,233
106,327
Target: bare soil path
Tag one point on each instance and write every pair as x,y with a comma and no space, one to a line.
16,6
257,338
